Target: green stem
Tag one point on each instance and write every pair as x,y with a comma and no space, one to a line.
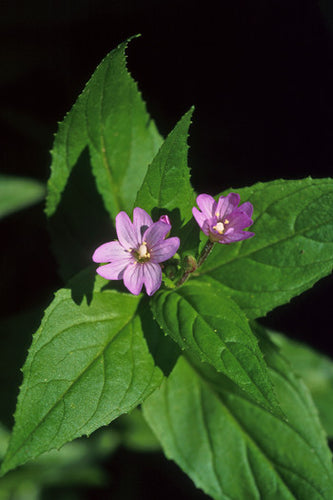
184,278
204,254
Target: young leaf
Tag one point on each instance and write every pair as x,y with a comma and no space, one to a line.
233,448
17,193
209,325
317,372
166,187
110,119
87,365
291,250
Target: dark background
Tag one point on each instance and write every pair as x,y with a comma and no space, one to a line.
259,73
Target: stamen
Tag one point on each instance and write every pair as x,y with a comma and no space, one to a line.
219,227
142,253
226,221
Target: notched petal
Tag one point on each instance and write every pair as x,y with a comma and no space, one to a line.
165,249
133,277
141,221
199,216
113,271
207,204
109,252
126,233
226,204
152,277
155,233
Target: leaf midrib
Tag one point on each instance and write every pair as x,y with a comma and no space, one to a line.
181,297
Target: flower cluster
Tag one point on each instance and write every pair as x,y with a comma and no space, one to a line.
136,256
143,245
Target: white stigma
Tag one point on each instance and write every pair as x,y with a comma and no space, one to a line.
219,227
143,251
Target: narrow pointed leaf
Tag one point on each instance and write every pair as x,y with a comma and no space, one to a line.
17,193
232,448
209,325
166,187
109,118
291,250
87,365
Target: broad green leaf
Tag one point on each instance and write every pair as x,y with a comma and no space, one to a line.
317,372
166,187
109,118
291,250
87,365
234,449
209,325
17,193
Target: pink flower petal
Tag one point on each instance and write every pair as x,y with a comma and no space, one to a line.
206,227
113,271
126,233
226,204
235,235
199,216
152,277
141,221
133,277
109,252
239,220
247,208
207,205
155,233
164,250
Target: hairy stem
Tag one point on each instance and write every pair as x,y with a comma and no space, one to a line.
205,252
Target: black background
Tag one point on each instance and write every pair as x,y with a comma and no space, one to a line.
259,73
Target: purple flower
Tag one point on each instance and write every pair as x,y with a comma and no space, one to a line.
136,256
223,221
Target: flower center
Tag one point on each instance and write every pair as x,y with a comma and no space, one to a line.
142,253
219,227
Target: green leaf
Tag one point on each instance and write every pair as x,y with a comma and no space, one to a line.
317,372
17,193
233,448
110,119
291,250
87,365
209,325
166,188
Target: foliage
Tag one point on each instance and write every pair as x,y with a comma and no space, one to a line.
17,193
221,399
